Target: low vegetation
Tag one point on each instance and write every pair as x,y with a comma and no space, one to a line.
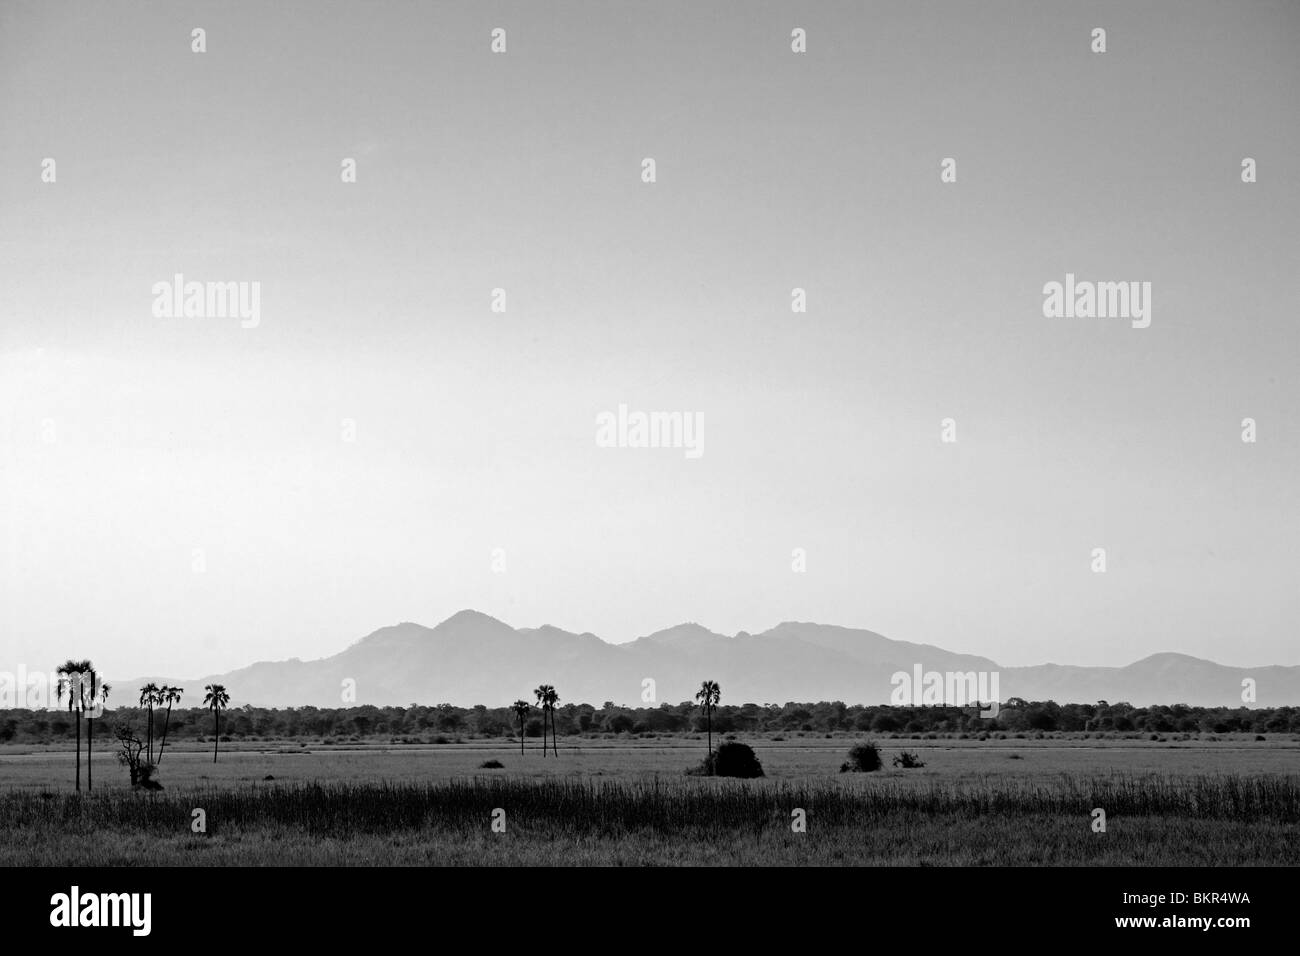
1203,820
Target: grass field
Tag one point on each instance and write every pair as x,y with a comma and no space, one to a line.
627,801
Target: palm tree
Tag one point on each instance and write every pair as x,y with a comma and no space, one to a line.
521,709
552,698
90,720
170,695
72,682
148,696
540,694
216,701
708,695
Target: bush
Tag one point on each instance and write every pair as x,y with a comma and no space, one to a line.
863,758
908,760
731,759
491,765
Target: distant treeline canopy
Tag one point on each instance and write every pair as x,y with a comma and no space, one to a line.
419,722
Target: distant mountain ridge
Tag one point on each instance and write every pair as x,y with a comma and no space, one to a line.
472,658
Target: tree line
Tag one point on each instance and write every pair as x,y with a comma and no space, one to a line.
162,721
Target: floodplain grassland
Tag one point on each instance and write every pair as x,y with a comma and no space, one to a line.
628,802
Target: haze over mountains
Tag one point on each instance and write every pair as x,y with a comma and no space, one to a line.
472,658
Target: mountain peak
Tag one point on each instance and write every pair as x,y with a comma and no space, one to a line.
471,616
687,633
1164,658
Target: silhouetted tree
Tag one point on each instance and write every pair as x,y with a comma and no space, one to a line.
521,709
170,695
552,698
148,696
216,700
709,695
72,682
540,694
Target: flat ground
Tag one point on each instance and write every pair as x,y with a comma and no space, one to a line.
1227,801
242,764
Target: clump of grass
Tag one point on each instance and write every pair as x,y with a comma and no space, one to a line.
491,765
908,760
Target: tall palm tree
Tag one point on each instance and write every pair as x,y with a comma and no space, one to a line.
708,695
91,717
552,698
540,694
148,697
521,709
170,695
72,682
216,701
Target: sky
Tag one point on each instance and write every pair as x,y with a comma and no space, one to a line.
184,496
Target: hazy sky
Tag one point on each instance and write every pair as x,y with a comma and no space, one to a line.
128,441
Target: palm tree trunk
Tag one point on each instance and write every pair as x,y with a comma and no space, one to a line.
166,723
78,719
521,736
90,740
554,748
216,737
708,717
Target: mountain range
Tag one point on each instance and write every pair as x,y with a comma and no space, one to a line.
472,658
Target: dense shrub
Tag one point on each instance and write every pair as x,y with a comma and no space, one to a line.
731,759
863,758
908,760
